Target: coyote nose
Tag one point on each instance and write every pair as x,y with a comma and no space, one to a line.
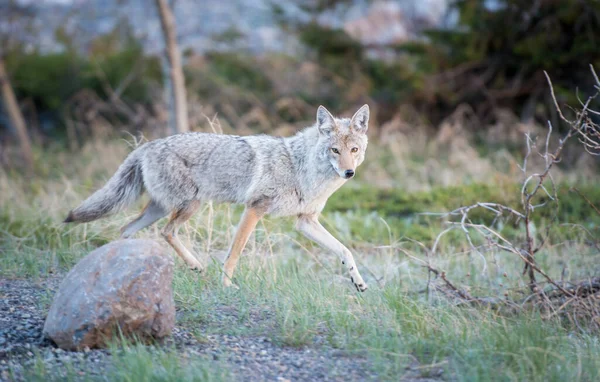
349,174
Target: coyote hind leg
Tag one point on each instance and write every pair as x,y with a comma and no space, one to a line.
151,213
178,217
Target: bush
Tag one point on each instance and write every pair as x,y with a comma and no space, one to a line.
239,70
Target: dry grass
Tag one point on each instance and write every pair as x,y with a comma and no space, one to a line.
416,157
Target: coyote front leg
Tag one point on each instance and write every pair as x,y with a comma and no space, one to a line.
311,228
247,224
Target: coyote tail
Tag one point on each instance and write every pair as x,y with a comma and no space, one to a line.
124,188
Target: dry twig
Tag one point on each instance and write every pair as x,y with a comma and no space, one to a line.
535,185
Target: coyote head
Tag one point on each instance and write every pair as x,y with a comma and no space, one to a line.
343,141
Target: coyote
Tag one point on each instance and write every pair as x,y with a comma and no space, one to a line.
269,175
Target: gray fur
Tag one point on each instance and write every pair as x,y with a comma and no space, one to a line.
286,176
124,188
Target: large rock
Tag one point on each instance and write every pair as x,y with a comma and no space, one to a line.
122,287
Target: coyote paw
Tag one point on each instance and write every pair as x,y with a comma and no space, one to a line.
196,267
360,286
227,283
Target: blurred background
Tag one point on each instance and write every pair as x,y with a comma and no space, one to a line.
454,85
466,73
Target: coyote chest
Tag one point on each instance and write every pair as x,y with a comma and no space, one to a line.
304,199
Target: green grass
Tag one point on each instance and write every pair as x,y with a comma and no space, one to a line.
142,363
406,212
134,362
392,328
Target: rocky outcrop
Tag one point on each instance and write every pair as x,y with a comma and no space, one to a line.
124,287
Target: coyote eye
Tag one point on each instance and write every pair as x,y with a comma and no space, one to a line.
335,151
354,149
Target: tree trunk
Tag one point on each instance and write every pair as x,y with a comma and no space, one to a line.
178,103
15,117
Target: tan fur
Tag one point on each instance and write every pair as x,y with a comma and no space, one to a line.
247,224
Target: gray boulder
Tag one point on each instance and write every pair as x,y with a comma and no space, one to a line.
123,287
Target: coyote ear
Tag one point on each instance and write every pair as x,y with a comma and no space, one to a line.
360,119
325,121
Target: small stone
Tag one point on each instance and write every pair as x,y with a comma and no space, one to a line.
263,352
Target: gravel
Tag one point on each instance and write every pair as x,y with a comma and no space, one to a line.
248,357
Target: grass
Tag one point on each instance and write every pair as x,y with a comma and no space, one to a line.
133,362
141,363
298,295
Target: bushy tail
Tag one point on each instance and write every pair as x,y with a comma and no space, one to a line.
124,188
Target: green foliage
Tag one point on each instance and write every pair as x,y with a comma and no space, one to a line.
239,70
229,36
47,79
331,45
387,82
392,82
505,45
116,66
51,79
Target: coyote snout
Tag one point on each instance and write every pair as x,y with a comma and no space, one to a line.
349,174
